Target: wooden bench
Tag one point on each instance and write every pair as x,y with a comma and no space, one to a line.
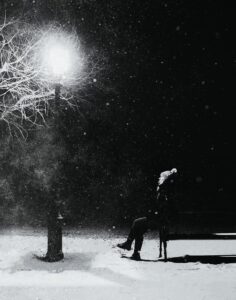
198,236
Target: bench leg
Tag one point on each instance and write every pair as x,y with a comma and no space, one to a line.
165,250
160,246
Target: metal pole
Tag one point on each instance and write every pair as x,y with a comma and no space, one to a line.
55,219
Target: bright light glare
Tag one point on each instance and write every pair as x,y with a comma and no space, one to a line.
61,57
59,60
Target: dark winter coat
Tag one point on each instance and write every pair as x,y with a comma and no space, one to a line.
163,208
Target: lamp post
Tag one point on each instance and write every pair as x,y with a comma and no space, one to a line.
54,218
58,61
61,64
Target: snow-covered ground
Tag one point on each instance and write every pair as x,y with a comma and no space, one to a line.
94,269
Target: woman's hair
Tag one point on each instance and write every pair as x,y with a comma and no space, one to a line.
165,175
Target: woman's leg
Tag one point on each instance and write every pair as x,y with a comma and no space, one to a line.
138,228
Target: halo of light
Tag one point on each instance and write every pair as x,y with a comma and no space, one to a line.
61,56
59,59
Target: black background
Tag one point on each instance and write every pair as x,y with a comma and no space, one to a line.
163,100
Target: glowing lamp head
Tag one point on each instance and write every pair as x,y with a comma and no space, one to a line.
61,57
59,60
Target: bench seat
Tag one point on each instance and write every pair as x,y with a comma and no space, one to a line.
201,236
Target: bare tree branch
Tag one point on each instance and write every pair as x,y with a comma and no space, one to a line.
26,81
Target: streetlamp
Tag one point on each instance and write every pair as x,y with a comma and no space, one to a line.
57,62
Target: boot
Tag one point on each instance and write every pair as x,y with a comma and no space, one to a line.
136,256
126,245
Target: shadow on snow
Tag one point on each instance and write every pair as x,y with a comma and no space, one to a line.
204,259
72,262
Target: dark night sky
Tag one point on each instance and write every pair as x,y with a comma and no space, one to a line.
170,71
174,106
175,93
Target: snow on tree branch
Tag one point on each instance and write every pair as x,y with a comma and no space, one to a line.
29,70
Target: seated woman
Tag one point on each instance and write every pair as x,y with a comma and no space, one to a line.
160,216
